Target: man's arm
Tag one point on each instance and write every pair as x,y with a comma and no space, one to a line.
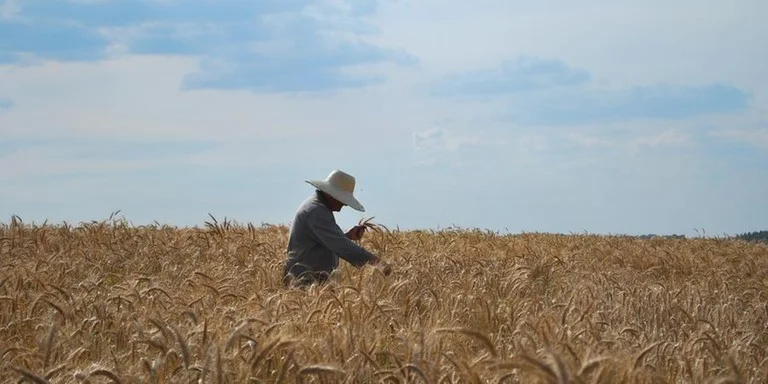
324,227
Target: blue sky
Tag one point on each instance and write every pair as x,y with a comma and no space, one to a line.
601,117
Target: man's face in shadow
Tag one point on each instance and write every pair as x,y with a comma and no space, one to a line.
333,204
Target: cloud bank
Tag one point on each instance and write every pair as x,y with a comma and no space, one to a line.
536,91
264,46
661,102
521,75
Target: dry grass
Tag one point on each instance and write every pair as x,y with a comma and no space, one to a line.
107,302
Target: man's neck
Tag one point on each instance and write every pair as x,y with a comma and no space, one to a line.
323,199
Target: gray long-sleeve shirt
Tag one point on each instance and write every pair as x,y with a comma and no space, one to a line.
316,242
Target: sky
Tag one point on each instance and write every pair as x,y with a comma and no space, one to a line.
604,117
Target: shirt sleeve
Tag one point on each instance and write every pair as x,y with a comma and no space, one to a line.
324,227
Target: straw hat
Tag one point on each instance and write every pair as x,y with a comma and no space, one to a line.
341,186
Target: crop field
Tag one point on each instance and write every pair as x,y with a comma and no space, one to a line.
106,302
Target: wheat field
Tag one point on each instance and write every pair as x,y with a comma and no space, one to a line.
107,301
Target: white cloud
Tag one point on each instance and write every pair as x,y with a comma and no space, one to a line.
602,37
670,137
437,139
428,139
139,97
590,141
533,143
752,137
48,160
441,147
9,10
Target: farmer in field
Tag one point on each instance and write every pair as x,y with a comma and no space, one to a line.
316,242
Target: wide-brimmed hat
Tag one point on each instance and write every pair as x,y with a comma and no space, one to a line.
341,186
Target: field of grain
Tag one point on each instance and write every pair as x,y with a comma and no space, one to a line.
109,302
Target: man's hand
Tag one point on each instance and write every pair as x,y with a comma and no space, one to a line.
382,265
356,232
385,268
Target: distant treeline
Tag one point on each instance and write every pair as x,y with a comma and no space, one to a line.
761,236
655,236
758,236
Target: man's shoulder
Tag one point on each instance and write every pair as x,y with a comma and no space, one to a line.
312,207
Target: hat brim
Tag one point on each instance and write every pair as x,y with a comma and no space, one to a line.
345,198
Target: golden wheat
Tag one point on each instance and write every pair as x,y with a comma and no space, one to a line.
109,302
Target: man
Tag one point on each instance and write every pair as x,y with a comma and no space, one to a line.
315,241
